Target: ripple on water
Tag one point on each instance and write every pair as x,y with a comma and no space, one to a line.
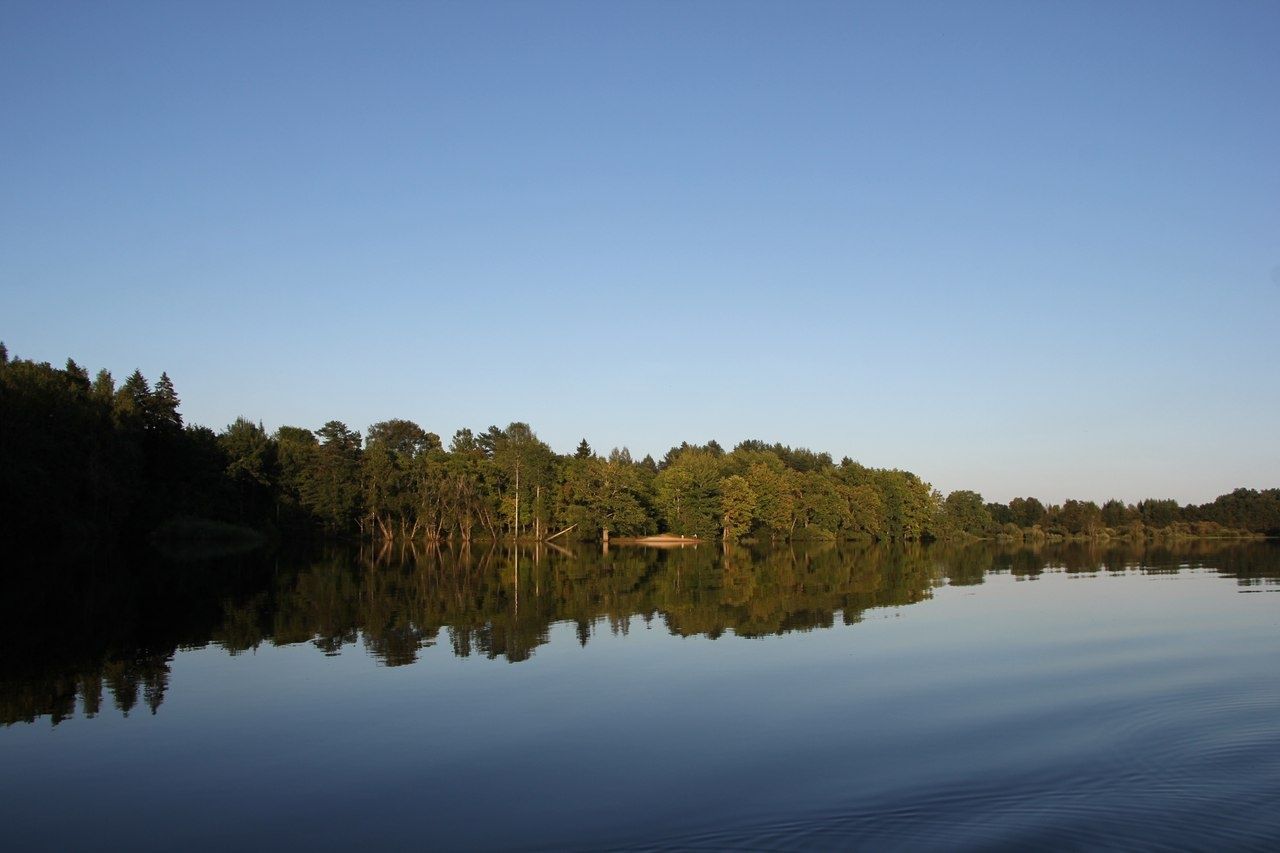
1190,769
994,818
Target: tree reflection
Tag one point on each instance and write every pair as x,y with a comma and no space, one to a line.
109,635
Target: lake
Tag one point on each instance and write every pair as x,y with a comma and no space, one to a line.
805,697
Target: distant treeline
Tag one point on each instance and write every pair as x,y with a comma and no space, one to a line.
84,460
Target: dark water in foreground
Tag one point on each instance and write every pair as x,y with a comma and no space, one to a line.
804,698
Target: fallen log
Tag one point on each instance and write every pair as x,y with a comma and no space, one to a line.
561,533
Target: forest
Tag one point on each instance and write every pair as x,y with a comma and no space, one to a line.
87,460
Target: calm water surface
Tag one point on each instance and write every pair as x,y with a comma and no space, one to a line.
802,698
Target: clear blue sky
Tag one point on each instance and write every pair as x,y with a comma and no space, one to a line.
1026,248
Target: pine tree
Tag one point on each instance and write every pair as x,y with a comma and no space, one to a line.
132,401
104,386
78,376
164,404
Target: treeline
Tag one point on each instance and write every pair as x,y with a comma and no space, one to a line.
82,459
1243,511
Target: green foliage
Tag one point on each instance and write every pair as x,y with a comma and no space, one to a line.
1027,512
251,467
132,402
103,390
737,506
597,495
909,504
821,504
331,484
1000,513
1159,512
1115,513
963,512
250,453
85,460
391,474
1080,517
1247,509
522,469
163,410
686,492
81,461
867,517
776,506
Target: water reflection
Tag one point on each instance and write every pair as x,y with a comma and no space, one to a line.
104,635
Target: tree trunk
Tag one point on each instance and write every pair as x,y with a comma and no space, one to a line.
562,532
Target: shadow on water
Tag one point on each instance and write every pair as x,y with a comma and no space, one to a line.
103,632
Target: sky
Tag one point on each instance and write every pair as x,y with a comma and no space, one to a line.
1022,248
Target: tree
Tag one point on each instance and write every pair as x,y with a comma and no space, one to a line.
909,503
432,493
163,410
1114,513
518,448
822,507
463,442
382,480
1080,517
964,512
388,474
1159,512
404,438
104,387
251,466
1248,509
866,512
737,506
1027,512
686,493
132,402
1000,513
775,502
466,489
598,495
78,458
331,486
78,376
